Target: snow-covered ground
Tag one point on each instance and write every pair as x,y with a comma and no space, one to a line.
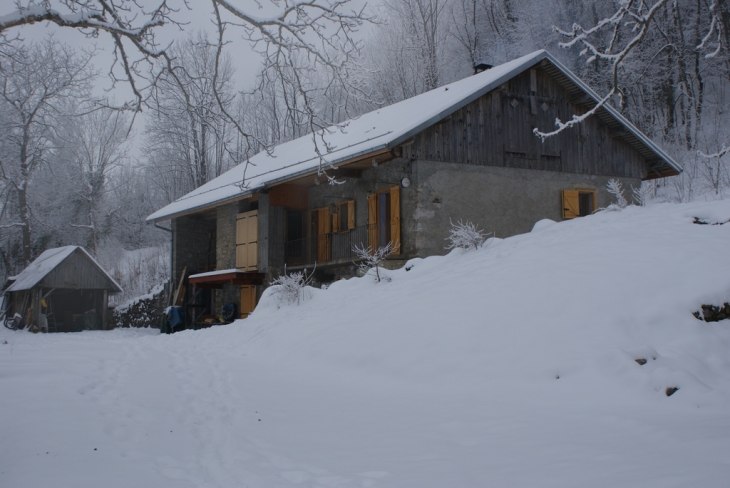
510,366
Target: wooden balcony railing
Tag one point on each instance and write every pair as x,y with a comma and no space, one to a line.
326,248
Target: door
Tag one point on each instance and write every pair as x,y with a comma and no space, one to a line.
248,300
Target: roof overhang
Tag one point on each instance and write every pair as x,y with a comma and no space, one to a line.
250,192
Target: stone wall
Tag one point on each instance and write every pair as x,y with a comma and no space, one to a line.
226,253
193,245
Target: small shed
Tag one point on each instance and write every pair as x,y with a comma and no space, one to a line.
63,290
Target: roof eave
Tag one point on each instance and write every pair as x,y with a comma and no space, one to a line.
269,184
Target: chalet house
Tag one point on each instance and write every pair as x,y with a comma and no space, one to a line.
63,290
462,151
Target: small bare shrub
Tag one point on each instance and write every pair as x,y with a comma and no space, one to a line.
614,188
290,289
642,194
466,235
372,260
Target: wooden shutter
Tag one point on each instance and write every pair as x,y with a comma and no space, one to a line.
351,214
247,245
324,227
373,221
336,220
395,218
248,300
571,204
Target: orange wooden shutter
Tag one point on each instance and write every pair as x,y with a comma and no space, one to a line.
336,220
324,227
395,218
571,204
247,245
351,214
373,221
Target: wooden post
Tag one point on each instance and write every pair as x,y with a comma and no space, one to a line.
36,310
105,310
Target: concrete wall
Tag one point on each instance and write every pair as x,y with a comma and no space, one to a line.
506,201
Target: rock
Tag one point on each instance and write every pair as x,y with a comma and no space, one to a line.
671,390
641,361
713,313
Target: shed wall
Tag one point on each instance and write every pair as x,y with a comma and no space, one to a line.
77,272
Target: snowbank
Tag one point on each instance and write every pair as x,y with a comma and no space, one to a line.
513,365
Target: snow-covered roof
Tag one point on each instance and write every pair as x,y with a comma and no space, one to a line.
215,273
382,129
45,263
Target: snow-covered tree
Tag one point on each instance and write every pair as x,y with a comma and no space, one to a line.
38,84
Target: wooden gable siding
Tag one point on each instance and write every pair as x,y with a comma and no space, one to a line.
496,130
77,272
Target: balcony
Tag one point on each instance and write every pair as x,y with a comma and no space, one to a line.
334,247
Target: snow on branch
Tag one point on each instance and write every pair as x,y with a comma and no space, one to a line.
290,289
614,188
723,151
84,17
466,235
372,259
577,119
716,27
631,22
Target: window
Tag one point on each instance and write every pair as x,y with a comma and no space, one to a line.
294,234
578,203
384,218
344,219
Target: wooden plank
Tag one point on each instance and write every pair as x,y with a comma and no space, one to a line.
395,219
180,288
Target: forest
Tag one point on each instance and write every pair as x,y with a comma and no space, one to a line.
93,139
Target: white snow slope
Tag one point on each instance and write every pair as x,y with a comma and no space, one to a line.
510,366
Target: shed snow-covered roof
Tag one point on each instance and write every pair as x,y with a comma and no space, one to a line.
382,129
47,262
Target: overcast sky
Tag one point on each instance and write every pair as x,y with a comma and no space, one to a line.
197,17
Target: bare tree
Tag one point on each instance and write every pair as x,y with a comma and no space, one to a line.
36,83
314,35
95,145
617,38
189,134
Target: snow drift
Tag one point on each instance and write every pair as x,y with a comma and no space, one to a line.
512,365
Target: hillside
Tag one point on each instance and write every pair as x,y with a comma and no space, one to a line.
514,365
